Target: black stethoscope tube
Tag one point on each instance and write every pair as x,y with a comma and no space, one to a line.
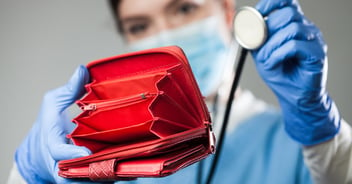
231,98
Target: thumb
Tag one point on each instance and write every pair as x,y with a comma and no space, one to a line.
64,96
76,84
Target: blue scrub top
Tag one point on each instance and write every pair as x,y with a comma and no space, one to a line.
258,152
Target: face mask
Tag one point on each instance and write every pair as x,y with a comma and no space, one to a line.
203,45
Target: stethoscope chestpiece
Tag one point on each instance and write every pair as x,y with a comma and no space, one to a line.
249,28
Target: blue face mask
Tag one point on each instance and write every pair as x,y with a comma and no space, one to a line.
204,47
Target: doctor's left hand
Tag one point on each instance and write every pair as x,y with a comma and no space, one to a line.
293,63
38,155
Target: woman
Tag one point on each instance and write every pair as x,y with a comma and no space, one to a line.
307,141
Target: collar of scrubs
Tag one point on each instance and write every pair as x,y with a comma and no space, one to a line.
244,106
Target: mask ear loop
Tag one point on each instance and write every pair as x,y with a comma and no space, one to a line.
246,44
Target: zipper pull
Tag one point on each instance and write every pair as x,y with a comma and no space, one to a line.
89,107
144,95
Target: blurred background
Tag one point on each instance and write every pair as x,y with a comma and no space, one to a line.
42,42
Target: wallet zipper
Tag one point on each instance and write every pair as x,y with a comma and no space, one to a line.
118,102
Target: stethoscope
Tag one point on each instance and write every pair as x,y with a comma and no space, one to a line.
250,31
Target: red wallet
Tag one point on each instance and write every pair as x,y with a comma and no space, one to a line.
143,116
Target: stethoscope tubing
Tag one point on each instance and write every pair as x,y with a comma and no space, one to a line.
234,86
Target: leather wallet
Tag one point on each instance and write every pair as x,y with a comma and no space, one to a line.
143,116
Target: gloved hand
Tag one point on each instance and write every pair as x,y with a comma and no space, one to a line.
293,63
37,157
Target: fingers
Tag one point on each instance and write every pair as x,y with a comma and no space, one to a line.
64,96
294,31
288,29
308,53
265,7
281,18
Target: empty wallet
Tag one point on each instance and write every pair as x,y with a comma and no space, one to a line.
143,116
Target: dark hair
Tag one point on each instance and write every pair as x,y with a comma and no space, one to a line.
114,7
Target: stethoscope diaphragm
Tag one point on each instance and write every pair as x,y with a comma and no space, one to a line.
250,28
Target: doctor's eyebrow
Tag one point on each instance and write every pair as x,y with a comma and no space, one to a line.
145,17
178,3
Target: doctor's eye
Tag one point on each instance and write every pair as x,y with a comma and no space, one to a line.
136,29
186,8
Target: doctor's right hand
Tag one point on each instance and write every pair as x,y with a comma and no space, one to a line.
293,63
38,155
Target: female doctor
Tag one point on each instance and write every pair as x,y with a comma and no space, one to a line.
307,141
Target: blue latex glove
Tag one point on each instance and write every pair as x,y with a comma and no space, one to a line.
37,157
293,63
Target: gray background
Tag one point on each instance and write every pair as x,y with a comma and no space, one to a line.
42,42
